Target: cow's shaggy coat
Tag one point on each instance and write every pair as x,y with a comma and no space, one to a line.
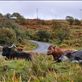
11,54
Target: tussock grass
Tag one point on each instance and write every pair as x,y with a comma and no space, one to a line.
41,69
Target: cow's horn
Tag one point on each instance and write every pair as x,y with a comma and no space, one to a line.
13,45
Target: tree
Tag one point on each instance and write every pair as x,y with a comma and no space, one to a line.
8,15
7,36
20,19
77,22
1,15
70,19
16,15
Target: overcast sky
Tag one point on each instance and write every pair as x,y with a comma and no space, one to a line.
46,9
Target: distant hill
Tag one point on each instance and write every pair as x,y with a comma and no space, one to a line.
41,24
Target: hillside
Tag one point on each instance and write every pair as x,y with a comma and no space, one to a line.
41,24
42,68
75,30
42,30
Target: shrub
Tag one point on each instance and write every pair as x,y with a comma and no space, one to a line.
30,34
7,36
60,31
43,35
63,45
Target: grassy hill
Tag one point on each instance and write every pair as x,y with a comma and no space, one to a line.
74,40
42,68
42,30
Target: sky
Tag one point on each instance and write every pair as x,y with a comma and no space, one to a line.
43,9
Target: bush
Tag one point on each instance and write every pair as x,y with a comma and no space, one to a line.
76,43
30,34
7,36
63,45
43,35
60,31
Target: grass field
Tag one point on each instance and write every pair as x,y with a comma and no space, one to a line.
41,69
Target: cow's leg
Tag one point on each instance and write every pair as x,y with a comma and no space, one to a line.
56,58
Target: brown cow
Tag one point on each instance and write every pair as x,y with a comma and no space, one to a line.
19,49
58,52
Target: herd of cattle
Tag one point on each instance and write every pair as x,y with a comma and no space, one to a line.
59,54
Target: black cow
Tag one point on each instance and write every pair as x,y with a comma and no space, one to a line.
73,56
11,54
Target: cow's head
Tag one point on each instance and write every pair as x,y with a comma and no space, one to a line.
6,50
51,49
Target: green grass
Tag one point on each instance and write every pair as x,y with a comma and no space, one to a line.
30,46
27,45
41,69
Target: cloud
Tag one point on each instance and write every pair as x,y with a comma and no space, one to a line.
46,9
